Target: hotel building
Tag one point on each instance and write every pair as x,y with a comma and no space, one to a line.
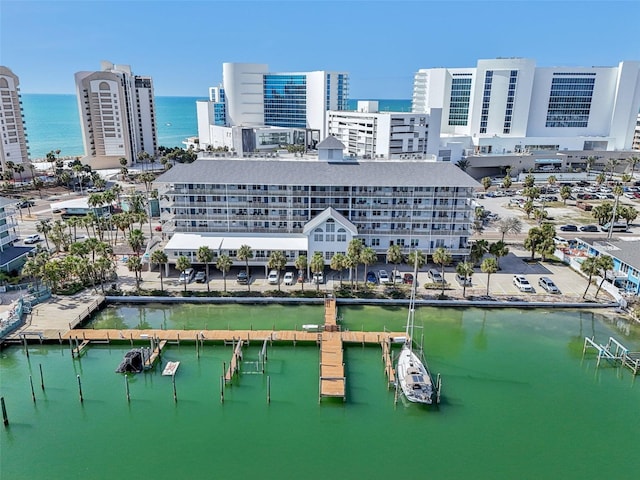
254,109
117,115
13,139
509,106
368,133
636,135
314,205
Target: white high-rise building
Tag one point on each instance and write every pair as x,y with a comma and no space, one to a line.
251,97
13,139
368,133
509,105
117,115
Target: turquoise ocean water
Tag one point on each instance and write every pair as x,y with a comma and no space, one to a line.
52,121
519,402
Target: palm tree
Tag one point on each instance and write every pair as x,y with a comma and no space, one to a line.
301,265
612,163
277,261
183,264
463,164
489,266
44,227
317,265
633,161
465,270
160,258
565,193
224,264
368,257
245,253
604,264
420,261
498,250
395,256
353,256
590,163
442,257
478,249
136,241
509,225
338,264
589,267
134,264
205,255
486,183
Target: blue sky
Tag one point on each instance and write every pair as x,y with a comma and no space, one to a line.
182,44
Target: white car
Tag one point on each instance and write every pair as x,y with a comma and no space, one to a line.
396,276
383,277
288,278
522,283
274,277
318,277
35,238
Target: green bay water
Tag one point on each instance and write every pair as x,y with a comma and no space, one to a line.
518,402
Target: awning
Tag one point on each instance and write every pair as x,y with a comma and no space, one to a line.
548,161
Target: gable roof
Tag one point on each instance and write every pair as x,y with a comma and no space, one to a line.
324,216
330,143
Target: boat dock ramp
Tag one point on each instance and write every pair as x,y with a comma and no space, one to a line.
615,353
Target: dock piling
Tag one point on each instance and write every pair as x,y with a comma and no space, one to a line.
26,349
33,393
126,387
268,389
175,395
80,389
222,388
41,377
5,418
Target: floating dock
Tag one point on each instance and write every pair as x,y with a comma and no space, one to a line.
234,365
332,378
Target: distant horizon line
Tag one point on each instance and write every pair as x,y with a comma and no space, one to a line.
197,96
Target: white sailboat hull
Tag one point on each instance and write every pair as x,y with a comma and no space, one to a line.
415,380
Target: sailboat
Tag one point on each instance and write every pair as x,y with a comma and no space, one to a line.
413,375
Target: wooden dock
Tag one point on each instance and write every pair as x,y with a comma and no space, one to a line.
332,378
387,359
79,349
234,365
330,315
615,353
155,354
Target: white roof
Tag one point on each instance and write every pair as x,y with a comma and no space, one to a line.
192,241
82,202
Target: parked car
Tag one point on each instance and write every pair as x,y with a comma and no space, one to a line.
200,277
301,276
186,276
26,203
548,285
396,276
35,238
435,276
274,277
242,278
318,277
371,277
463,281
589,228
407,278
521,282
569,228
288,278
383,276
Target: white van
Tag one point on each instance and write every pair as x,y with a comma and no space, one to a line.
617,227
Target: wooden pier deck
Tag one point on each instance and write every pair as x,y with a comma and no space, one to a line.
157,352
234,365
332,378
389,370
330,315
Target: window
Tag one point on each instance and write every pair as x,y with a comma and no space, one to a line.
318,235
570,100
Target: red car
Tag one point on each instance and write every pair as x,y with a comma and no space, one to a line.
407,278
